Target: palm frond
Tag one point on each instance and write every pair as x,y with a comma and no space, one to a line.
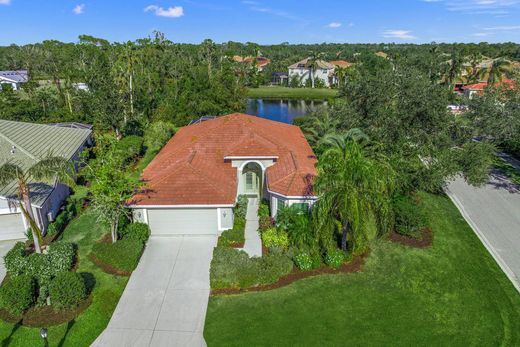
9,172
54,168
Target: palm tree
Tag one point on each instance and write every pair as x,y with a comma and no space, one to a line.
312,64
453,69
352,188
496,71
56,169
473,70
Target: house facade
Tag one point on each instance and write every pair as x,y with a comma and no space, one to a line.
24,144
13,78
301,70
192,185
476,89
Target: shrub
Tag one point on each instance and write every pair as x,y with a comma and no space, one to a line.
157,134
306,261
15,259
61,256
235,235
128,148
67,290
136,231
273,237
409,218
296,223
231,268
335,258
122,255
18,294
39,267
241,207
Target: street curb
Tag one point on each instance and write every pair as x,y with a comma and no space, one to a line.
509,273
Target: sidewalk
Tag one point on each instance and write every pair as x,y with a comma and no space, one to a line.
253,243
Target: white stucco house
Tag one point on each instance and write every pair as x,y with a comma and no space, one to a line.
13,78
193,183
302,70
24,144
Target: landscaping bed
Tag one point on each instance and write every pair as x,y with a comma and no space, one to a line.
425,239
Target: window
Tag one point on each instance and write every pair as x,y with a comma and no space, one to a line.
249,181
324,71
279,204
302,206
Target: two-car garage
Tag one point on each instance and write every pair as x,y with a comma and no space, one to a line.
185,221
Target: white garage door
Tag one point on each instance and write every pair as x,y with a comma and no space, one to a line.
183,221
11,227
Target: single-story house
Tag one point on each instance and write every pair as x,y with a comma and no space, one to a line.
471,90
13,78
302,70
193,183
24,144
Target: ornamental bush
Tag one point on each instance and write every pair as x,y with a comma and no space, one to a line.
67,290
241,207
18,294
61,256
233,236
409,218
122,255
273,237
335,258
15,259
128,148
136,231
306,261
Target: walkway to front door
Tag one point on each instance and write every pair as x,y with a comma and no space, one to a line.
253,243
165,300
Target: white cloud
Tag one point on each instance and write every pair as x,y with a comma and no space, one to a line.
399,34
498,7
171,12
79,9
5,2
504,28
334,25
482,34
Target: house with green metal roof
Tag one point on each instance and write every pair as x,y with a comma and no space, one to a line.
24,144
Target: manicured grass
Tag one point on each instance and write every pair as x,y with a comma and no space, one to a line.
267,92
452,294
83,231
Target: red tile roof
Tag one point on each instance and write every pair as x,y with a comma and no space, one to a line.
191,169
483,85
340,63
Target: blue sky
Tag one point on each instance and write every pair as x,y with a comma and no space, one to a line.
263,21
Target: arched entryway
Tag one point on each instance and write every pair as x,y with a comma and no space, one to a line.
252,179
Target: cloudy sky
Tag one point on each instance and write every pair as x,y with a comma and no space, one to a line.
263,21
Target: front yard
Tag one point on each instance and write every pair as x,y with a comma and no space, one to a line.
82,331
452,293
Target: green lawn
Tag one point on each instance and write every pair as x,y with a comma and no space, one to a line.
83,231
267,92
452,294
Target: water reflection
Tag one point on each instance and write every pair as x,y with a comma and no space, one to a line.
281,110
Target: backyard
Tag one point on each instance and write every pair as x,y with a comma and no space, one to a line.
82,331
452,293
268,92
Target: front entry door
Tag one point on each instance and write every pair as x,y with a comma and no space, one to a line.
252,183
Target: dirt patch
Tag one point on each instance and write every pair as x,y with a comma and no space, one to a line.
352,266
45,315
107,267
426,239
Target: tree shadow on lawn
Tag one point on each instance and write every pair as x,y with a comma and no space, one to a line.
7,340
70,324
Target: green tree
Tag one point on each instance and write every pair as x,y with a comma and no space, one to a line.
497,71
50,169
352,188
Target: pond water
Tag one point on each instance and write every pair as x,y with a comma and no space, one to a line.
281,110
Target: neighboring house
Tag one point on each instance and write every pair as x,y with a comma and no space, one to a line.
24,144
261,62
471,90
302,70
279,78
341,63
13,78
193,183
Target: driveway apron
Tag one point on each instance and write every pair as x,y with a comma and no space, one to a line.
165,300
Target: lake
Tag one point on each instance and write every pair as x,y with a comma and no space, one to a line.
281,110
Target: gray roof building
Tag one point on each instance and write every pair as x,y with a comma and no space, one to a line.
16,76
25,144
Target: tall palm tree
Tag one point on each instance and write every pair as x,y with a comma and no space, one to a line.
351,189
453,69
50,169
473,70
312,64
497,71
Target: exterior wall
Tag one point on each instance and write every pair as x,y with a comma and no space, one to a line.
225,218
304,75
240,163
140,215
276,199
51,206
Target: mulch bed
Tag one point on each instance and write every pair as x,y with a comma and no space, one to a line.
426,239
45,315
352,266
237,244
109,269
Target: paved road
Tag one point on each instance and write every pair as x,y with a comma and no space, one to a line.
493,211
165,300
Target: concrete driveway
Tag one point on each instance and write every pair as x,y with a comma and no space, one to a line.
493,211
165,300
